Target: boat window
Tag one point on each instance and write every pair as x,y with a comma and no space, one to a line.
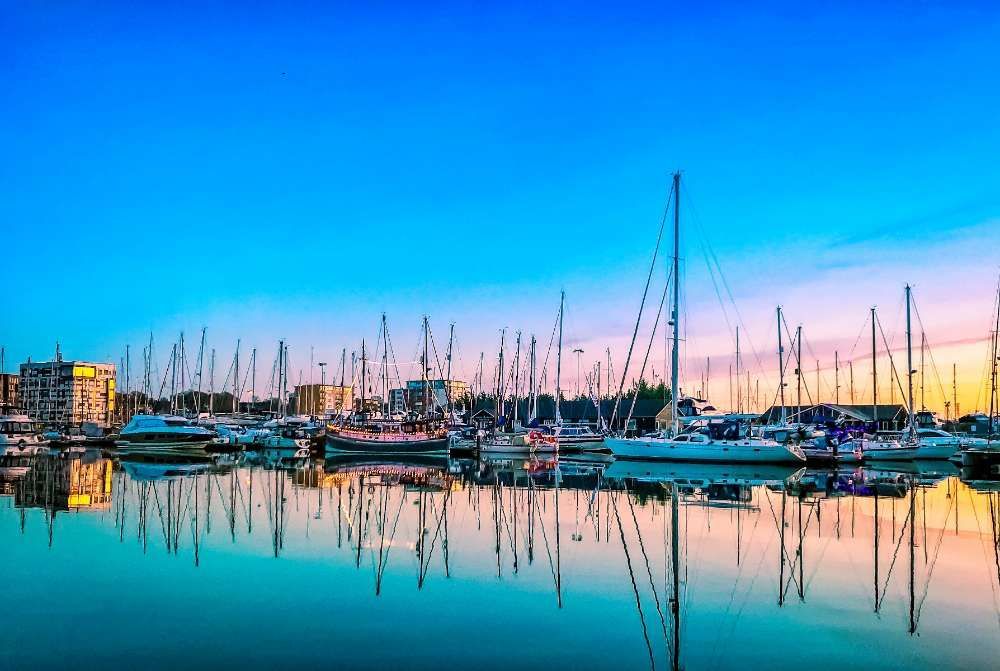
682,439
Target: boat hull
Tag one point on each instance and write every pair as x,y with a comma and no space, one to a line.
728,452
337,443
910,453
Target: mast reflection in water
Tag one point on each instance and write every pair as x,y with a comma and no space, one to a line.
358,563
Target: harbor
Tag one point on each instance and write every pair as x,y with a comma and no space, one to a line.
676,565
645,336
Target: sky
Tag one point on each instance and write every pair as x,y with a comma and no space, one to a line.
294,170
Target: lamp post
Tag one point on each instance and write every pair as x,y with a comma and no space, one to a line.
578,352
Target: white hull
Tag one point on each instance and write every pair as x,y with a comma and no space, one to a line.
703,473
720,451
908,453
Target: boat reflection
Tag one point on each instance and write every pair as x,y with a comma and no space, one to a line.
557,521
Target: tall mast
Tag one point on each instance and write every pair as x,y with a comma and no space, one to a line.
874,377
236,378
211,385
836,377
253,378
447,383
739,405
675,317
993,366
363,371
909,363
562,301
343,369
201,367
923,346
532,396
781,372
850,368
517,374
385,366
499,380
426,375
798,372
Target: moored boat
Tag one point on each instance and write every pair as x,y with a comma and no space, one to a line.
163,433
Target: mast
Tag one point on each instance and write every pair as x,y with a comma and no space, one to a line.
253,378
909,363
236,378
675,317
427,410
211,385
562,301
993,367
798,372
850,367
532,396
517,374
499,379
874,378
781,372
836,377
739,405
451,401
201,367
363,372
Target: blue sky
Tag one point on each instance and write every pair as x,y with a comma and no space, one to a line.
294,170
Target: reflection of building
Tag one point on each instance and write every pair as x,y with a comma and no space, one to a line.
438,393
65,484
322,399
8,391
68,392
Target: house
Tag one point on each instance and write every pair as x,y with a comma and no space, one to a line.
891,417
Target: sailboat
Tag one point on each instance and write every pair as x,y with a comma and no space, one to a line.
987,452
377,432
727,441
912,447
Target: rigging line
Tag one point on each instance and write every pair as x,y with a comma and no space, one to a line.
635,587
652,338
892,366
649,570
777,526
437,531
937,551
642,304
930,351
850,355
895,555
725,283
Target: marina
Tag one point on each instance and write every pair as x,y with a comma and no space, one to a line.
500,336
682,565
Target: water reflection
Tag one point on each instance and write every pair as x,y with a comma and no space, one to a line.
691,559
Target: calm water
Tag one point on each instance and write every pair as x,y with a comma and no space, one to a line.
352,565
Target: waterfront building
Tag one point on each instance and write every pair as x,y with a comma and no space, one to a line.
439,393
397,401
322,399
890,416
68,392
8,391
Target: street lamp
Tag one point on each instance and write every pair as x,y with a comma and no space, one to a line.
578,352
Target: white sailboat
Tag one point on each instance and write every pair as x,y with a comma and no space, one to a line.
913,445
726,442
